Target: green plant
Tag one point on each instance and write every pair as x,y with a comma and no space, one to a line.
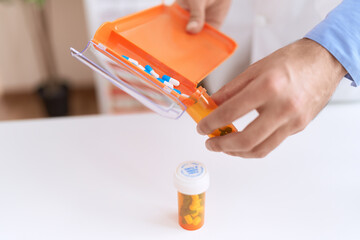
37,2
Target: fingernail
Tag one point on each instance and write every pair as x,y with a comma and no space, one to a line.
192,26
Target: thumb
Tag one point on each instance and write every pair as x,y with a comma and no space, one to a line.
197,16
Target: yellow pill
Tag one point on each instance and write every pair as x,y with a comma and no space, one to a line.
195,197
200,209
188,219
196,202
196,221
193,207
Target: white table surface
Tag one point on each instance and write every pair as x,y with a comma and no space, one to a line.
110,177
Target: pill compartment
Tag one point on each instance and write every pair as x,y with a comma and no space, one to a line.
131,80
157,37
191,211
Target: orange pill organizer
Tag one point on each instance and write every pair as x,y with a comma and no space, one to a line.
157,37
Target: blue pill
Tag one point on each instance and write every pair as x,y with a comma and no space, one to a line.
161,80
166,78
148,68
177,91
127,58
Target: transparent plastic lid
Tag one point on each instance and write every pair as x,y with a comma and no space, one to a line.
131,80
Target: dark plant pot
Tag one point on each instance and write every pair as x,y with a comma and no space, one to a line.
55,98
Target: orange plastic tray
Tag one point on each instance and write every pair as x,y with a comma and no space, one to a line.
157,36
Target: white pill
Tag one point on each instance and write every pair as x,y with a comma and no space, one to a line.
184,95
133,61
153,73
174,82
169,85
141,67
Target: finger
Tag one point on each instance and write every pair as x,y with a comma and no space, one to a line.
251,97
233,87
263,149
216,13
197,16
254,134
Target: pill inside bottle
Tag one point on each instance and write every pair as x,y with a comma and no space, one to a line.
191,180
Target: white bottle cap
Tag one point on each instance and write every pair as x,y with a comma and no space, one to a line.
191,178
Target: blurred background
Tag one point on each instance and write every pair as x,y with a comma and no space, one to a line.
39,78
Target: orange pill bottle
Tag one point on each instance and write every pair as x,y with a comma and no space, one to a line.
191,181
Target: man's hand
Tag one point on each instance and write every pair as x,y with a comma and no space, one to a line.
201,11
288,89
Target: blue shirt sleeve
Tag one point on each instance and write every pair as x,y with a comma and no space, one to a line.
339,33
